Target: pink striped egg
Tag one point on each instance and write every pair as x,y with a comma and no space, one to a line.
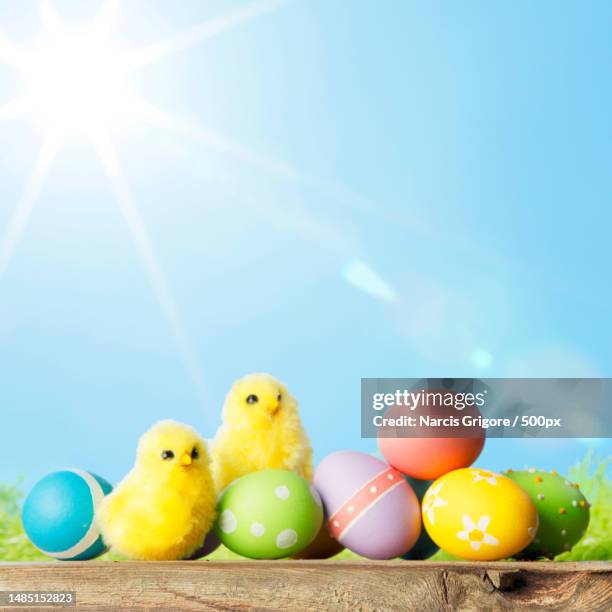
369,507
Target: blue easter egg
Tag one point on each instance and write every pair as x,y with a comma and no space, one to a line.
58,515
425,546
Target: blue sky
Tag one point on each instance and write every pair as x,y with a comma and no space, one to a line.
413,189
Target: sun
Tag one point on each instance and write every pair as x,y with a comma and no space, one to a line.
76,82
75,79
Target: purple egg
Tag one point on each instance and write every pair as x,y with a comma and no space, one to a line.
369,507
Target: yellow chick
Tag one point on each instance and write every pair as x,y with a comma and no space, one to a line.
165,506
261,429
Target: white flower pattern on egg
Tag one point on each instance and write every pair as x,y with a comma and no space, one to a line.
286,538
282,492
228,522
432,501
485,475
476,533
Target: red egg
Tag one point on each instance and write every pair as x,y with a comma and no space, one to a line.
428,457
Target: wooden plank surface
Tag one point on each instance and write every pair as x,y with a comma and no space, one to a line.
320,585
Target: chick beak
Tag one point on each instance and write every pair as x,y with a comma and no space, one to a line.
274,408
186,460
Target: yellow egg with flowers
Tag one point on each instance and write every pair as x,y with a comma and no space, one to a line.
479,515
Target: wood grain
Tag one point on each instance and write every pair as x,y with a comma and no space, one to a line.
320,585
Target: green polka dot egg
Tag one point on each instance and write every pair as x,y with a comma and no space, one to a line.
269,515
562,508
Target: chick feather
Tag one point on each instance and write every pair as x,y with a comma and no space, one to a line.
261,429
165,506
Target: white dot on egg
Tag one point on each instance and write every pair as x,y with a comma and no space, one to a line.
336,524
390,476
564,532
282,492
350,509
228,522
373,489
257,529
574,503
286,538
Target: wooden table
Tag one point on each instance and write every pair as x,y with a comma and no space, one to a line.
320,585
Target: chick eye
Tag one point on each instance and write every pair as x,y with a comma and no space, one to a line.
252,399
167,455
195,453
279,397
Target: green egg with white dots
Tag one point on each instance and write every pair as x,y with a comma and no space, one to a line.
562,509
269,515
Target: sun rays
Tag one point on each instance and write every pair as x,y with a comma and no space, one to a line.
142,242
21,215
201,32
77,84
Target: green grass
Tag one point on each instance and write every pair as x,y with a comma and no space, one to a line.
595,484
591,474
14,545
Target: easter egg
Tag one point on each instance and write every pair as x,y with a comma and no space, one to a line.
370,508
58,515
425,546
268,515
428,457
322,547
562,508
479,515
